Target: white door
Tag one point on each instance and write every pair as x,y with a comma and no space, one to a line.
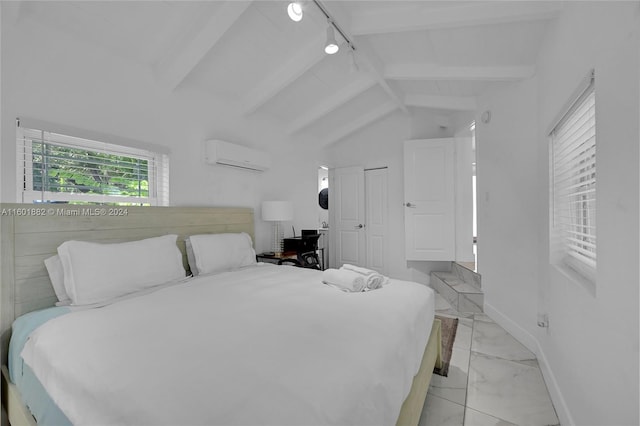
347,210
376,219
429,197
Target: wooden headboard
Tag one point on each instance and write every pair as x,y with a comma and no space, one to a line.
31,233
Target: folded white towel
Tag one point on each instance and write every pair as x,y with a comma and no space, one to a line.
373,278
344,279
376,281
358,269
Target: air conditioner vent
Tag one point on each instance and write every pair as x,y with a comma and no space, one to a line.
234,155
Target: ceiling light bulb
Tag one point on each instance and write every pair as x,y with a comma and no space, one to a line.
295,11
331,46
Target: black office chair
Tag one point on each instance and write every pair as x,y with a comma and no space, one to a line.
306,253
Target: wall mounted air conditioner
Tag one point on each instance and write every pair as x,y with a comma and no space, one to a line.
231,154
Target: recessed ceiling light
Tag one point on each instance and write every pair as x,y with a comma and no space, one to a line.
295,11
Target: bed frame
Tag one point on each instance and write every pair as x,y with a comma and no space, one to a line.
31,233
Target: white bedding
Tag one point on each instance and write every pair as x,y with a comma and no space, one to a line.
262,345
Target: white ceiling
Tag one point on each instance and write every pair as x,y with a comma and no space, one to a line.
426,57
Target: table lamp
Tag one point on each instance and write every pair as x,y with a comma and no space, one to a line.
276,212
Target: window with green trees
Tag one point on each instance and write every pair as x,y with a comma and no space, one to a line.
62,168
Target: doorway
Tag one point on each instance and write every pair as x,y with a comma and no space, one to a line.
323,215
474,196
323,197
438,199
358,212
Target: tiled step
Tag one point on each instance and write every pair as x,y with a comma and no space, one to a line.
467,274
460,287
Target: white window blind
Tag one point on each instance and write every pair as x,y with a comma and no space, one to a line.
54,167
573,150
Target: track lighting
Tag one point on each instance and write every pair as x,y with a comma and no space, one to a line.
331,45
295,11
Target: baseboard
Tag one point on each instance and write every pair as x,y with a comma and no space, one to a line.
531,343
521,335
559,402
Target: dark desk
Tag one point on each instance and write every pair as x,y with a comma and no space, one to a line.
304,244
301,244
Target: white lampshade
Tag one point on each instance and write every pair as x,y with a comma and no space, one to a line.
277,210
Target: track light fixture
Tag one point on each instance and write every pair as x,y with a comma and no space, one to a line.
331,45
295,11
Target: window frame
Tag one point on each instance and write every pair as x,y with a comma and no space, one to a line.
157,166
573,237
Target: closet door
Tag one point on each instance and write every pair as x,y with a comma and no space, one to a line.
429,199
377,223
347,210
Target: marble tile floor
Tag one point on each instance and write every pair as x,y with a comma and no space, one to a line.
493,379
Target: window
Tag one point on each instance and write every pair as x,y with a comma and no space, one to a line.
54,167
573,185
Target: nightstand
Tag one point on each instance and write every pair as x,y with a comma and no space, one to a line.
275,258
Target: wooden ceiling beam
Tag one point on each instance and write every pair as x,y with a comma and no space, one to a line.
376,68
452,103
284,75
366,57
416,17
334,101
426,72
360,122
176,67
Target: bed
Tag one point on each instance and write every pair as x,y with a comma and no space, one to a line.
276,369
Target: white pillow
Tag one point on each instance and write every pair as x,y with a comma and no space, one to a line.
191,257
220,252
95,272
56,275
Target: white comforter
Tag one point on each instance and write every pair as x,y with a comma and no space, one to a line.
262,345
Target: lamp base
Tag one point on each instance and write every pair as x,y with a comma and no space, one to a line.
277,239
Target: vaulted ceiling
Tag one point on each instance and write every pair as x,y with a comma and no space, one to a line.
426,58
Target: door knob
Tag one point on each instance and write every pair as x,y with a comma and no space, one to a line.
360,226
412,206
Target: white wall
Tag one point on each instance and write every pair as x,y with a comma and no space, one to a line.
589,353
51,76
508,216
578,318
381,145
